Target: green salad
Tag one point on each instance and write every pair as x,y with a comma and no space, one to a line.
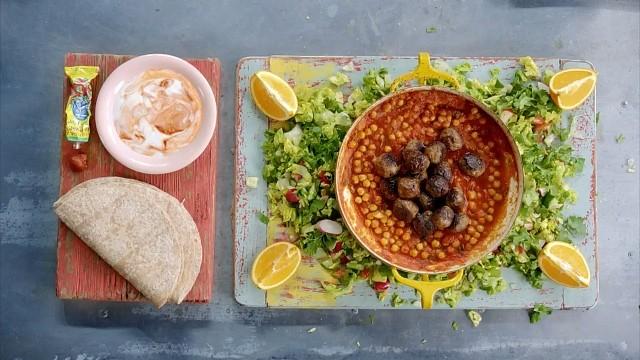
300,159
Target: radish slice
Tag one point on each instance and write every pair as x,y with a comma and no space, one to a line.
329,227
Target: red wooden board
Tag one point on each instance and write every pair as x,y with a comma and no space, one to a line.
81,274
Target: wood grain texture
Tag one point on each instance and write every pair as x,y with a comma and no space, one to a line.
81,274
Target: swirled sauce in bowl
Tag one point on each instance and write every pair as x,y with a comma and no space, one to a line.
158,112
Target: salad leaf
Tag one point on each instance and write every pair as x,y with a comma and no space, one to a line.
538,312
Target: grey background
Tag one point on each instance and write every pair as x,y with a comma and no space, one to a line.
35,36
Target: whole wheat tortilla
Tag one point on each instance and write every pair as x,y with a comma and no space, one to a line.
187,232
129,230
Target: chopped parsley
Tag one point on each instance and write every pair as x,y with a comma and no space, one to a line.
454,326
619,138
431,29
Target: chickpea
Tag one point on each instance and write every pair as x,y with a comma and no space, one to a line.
480,228
375,223
377,231
473,241
441,255
384,241
392,137
374,127
372,146
404,249
496,184
366,197
438,235
489,217
406,236
424,254
365,211
360,191
387,148
373,207
357,155
395,248
367,223
472,195
491,178
362,177
435,244
456,244
399,232
367,184
419,246
358,200
354,179
497,197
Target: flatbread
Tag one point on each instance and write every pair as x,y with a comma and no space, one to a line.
132,231
187,232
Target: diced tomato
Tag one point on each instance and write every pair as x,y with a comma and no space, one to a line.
379,286
344,259
539,124
296,177
324,179
291,196
337,247
520,249
365,273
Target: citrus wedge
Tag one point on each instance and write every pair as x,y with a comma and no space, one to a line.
564,264
570,88
273,96
275,264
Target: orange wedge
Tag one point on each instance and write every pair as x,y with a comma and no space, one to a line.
273,96
570,88
275,264
564,264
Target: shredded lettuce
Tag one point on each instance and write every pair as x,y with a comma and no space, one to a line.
300,155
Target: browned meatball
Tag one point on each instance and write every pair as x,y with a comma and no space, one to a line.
443,169
471,164
437,186
425,201
386,165
460,222
405,210
389,188
436,151
415,161
451,137
443,217
408,187
456,199
413,145
423,225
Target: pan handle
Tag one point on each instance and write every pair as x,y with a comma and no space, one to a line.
423,72
427,288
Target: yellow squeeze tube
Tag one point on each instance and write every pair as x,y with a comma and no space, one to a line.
78,109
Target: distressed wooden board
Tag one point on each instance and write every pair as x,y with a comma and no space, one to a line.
304,290
81,274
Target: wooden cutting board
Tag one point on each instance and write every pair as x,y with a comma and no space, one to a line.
81,274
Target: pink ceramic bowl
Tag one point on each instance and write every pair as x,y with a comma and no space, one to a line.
105,113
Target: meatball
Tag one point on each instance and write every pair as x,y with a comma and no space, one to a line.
422,176
389,188
437,186
408,187
425,201
456,199
413,145
423,225
405,210
443,169
451,137
460,222
443,217
436,151
415,161
386,165
471,164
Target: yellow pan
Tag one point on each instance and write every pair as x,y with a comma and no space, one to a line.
368,239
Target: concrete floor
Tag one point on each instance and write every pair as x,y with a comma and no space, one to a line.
34,37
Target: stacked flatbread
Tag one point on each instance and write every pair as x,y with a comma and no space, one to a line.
142,232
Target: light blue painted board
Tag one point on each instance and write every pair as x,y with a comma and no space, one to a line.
250,234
